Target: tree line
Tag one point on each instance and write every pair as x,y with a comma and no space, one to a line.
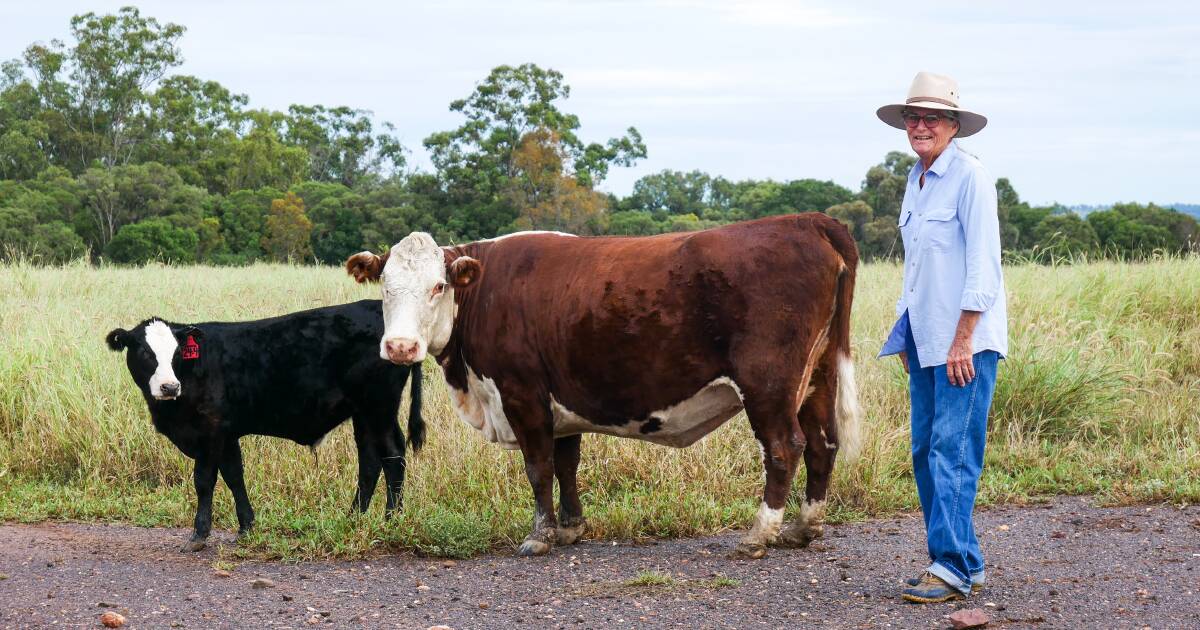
105,153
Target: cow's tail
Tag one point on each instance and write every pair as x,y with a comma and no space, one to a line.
847,411
416,424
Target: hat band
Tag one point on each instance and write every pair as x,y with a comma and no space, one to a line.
932,99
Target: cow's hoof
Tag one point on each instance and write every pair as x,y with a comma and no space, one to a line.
533,548
747,551
195,544
799,537
569,535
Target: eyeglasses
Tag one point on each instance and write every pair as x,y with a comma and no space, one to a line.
931,120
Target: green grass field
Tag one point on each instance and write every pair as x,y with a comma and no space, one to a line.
1101,394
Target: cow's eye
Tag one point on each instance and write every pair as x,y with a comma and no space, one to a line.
438,289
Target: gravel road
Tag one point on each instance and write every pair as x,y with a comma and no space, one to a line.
1063,564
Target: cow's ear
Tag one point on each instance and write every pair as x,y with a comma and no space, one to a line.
366,266
117,339
463,271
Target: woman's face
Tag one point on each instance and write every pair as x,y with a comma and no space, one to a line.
928,142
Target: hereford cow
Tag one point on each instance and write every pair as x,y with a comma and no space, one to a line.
296,377
545,336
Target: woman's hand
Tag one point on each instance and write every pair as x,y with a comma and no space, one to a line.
904,360
960,362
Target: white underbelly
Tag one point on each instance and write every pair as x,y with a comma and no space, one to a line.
678,425
481,407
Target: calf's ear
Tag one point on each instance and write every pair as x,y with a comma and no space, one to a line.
117,339
366,266
464,271
189,331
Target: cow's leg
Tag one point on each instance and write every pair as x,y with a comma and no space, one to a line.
204,477
390,447
231,471
369,465
535,434
570,512
817,422
773,419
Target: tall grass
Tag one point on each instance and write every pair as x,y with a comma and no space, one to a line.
1101,394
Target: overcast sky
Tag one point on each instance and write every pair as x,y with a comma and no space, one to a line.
1088,102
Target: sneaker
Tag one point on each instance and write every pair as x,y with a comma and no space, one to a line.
931,589
975,586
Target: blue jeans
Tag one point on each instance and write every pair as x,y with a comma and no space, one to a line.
949,429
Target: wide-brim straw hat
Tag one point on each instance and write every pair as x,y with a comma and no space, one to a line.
934,91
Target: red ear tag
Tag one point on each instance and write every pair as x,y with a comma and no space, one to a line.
191,349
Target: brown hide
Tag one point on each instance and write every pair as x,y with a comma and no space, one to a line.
615,328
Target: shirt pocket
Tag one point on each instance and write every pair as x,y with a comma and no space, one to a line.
941,229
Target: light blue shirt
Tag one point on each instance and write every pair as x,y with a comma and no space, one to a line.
951,233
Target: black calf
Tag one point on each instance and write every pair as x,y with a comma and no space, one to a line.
296,377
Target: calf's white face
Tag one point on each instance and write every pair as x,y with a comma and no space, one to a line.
163,345
149,351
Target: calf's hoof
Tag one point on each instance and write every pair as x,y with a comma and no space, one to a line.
195,544
533,548
747,551
800,536
569,532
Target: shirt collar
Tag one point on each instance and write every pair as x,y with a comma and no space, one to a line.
940,165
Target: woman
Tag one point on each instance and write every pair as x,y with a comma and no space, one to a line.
951,328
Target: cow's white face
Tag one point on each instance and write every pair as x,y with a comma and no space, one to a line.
419,280
163,346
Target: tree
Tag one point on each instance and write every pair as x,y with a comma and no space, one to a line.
261,158
671,192
475,161
883,188
288,230
190,124
22,235
243,221
337,228
153,239
632,223
855,215
128,194
342,144
1065,235
1008,203
1135,230
92,113
546,197
812,195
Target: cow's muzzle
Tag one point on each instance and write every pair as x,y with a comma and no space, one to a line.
402,351
168,391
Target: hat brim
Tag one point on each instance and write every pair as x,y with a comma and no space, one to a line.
969,123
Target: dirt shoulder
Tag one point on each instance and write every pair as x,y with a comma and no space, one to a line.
1062,564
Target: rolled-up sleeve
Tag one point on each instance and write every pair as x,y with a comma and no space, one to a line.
979,216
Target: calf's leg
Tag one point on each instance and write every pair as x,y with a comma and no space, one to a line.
231,471
390,450
369,465
570,512
204,477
